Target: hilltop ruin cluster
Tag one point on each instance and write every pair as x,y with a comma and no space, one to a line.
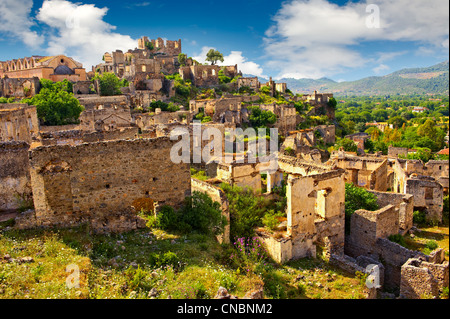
118,156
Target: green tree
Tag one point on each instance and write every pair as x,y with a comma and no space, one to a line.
332,103
347,144
397,121
213,56
182,59
428,129
109,84
202,214
149,45
357,198
56,104
261,118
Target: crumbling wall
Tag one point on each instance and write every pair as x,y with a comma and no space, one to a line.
428,194
315,211
396,151
15,184
422,279
403,202
18,122
19,87
100,182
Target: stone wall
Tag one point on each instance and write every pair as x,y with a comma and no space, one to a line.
428,194
14,174
101,182
18,122
19,87
396,151
76,137
403,202
422,279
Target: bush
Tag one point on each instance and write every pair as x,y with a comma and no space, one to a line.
357,198
200,213
55,103
246,210
431,245
397,238
419,218
167,218
109,84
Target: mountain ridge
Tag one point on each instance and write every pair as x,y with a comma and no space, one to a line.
433,79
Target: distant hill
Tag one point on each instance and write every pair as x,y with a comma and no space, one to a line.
433,79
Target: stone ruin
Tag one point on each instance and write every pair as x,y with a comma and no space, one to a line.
103,183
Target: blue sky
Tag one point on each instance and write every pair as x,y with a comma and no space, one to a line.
298,38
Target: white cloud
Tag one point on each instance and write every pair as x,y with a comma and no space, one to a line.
235,57
15,22
78,30
315,38
381,68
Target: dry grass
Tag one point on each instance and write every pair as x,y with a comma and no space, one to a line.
123,266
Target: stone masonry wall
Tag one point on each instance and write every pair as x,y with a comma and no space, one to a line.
100,182
14,174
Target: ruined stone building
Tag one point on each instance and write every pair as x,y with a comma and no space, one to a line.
315,204
408,178
286,116
320,103
18,122
249,82
104,183
412,272
201,75
359,139
367,172
55,68
19,87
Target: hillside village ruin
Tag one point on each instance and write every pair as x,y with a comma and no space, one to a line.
98,170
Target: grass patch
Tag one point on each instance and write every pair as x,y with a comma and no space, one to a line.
152,263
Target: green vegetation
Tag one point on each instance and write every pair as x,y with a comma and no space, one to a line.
55,103
261,118
184,90
357,198
109,84
182,59
423,132
151,263
397,238
213,56
199,214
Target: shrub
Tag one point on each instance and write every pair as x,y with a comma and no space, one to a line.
419,217
246,210
55,103
289,151
357,198
167,218
109,84
202,214
431,245
397,238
